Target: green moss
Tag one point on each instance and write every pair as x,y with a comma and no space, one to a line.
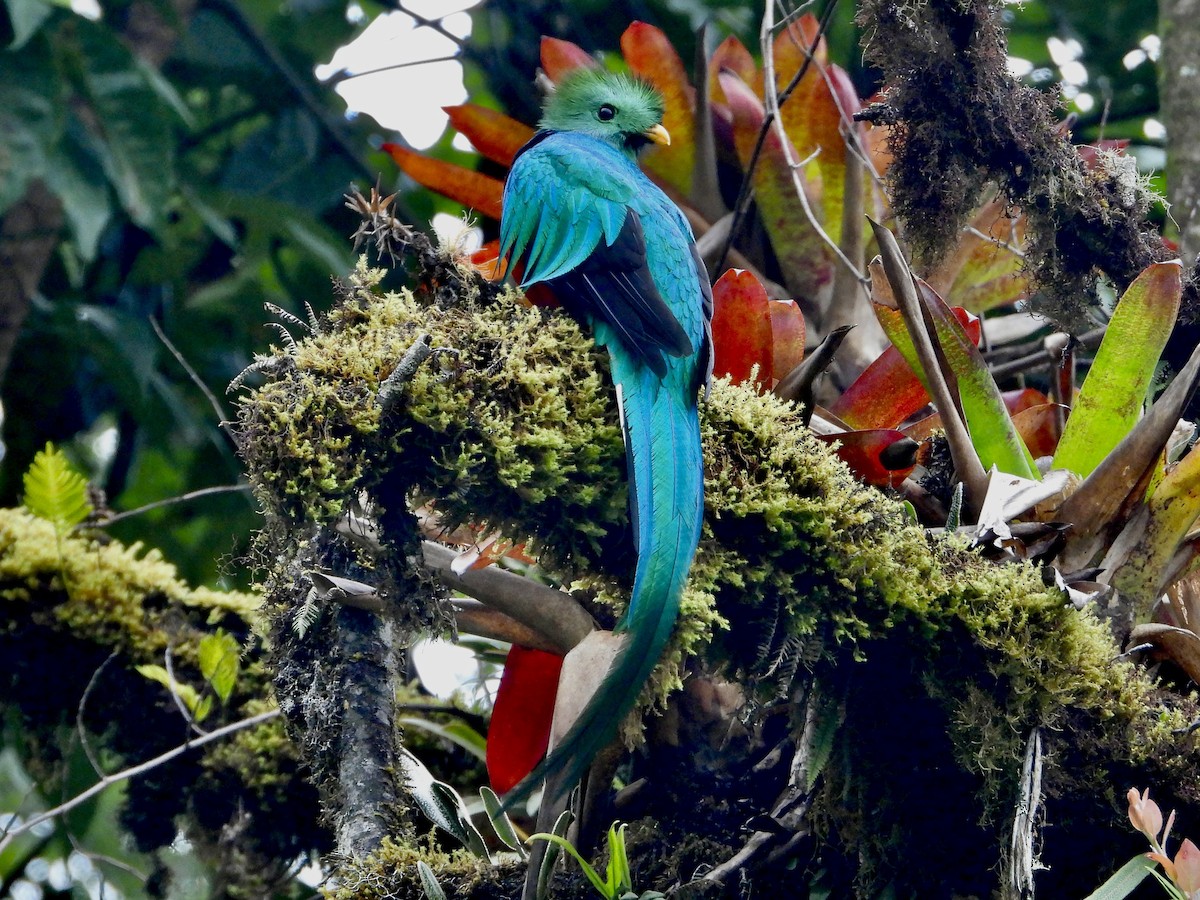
391,874
101,589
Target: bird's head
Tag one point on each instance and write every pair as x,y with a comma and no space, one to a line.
613,107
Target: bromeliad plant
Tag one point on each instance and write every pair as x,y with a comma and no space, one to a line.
1081,480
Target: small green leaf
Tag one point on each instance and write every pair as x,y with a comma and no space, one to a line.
617,876
220,657
561,824
1111,398
954,515
1124,880
195,704
56,492
441,804
500,821
591,874
429,882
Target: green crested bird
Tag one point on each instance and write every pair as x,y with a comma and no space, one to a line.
582,218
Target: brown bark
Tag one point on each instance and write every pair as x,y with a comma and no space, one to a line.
29,232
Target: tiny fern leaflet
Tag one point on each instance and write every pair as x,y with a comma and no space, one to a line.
56,492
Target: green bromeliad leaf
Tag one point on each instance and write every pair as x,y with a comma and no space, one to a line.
1110,401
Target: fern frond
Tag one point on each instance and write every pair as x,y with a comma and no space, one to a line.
56,492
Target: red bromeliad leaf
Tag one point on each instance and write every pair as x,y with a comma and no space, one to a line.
651,56
560,57
492,133
788,333
801,253
741,328
879,456
888,391
473,189
1039,427
883,396
520,727
487,261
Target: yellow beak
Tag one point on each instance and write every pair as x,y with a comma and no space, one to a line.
658,135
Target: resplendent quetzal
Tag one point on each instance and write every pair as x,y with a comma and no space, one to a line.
582,218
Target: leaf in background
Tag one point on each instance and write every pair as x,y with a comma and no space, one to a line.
560,57
651,56
741,328
198,706
73,172
520,729
1039,427
492,133
56,492
474,190
26,18
731,55
992,433
799,249
878,456
1110,401
219,657
134,126
30,118
984,269
815,113
457,732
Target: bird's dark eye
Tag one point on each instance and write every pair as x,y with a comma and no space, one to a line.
606,112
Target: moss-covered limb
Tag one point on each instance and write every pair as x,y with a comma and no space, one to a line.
963,123
514,427
84,606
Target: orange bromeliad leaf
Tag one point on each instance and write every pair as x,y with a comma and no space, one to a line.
1039,427
492,133
984,270
801,253
520,727
473,189
741,328
487,261
651,56
879,456
560,57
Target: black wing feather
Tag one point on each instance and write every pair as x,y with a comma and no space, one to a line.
614,285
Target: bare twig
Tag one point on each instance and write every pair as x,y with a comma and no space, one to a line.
133,772
745,194
79,729
1022,860
191,373
170,501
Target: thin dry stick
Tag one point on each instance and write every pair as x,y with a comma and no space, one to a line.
772,101
745,193
80,730
170,501
134,771
191,373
